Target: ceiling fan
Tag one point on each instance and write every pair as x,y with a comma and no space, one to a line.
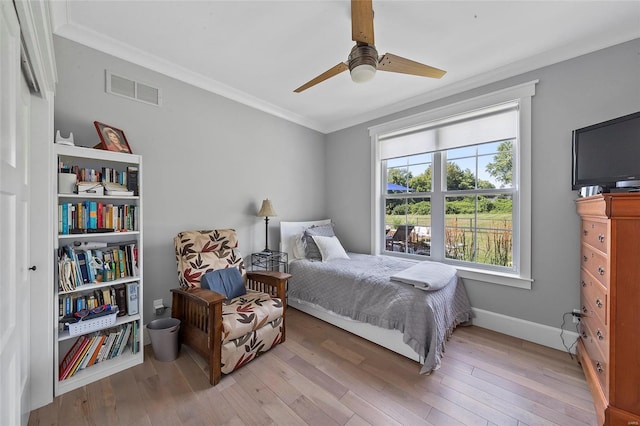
363,60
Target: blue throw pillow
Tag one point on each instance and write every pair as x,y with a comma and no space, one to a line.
227,282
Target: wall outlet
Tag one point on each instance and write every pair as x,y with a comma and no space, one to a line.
576,315
159,307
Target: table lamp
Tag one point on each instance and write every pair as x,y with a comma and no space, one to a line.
265,211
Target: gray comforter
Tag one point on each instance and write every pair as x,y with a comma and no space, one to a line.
360,288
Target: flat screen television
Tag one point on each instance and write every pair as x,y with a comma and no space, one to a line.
607,154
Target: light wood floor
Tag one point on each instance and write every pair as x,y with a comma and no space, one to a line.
324,376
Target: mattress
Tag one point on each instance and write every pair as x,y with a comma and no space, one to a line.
360,288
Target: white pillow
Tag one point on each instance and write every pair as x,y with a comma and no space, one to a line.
298,246
330,248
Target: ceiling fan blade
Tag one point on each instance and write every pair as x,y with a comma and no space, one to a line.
362,21
324,76
393,63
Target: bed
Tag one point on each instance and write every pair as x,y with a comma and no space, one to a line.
358,295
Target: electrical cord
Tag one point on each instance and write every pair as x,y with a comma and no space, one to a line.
570,347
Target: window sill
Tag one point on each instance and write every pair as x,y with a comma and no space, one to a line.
494,277
483,275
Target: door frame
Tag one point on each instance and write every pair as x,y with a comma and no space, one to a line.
37,33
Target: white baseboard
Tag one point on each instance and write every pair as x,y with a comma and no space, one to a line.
527,330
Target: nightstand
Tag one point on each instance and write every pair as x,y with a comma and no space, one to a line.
270,261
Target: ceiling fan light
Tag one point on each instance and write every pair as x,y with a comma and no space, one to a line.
363,73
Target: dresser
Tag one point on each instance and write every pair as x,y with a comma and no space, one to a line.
609,345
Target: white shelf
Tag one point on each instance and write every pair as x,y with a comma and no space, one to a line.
98,235
97,154
100,371
97,159
97,285
64,335
97,197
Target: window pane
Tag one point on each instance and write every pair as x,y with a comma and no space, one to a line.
495,230
395,162
467,151
409,174
461,174
421,178
420,158
479,229
398,180
488,148
408,226
460,228
498,167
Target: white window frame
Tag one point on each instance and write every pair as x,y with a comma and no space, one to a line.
522,219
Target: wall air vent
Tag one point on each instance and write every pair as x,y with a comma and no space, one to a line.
122,86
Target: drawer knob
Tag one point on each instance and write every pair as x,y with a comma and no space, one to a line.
584,309
599,334
583,334
600,270
601,238
585,258
585,232
599,367
598,303
582,283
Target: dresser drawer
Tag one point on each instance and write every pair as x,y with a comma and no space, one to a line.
593,297
596,340
595,234
596,263
600,400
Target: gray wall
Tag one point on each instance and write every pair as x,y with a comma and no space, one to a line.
207,161
571,94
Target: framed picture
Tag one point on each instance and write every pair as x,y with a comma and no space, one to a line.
112,139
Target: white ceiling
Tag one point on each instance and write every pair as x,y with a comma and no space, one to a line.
257,52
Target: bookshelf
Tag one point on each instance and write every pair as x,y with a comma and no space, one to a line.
98,258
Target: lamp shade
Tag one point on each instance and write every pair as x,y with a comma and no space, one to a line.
267,209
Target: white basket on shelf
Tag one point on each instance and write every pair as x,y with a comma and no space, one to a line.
95,324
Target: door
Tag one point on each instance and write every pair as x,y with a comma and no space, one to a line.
14,225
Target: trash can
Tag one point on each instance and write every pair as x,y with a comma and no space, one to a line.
164,338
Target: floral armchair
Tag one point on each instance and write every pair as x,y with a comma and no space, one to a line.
227,333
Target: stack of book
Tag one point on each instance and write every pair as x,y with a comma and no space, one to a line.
95,216
98,347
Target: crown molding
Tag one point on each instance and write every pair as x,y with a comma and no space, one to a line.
86,36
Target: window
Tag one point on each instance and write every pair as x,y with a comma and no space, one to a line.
453,185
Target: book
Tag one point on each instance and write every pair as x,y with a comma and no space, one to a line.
65,218
99,215
93,215
65,366
123,264
96,351
106,296
82,263
72,361
83,353
91,269
125,339
119,341
109,352
112,188
132,298
101,350
132,179
121,299
92,347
